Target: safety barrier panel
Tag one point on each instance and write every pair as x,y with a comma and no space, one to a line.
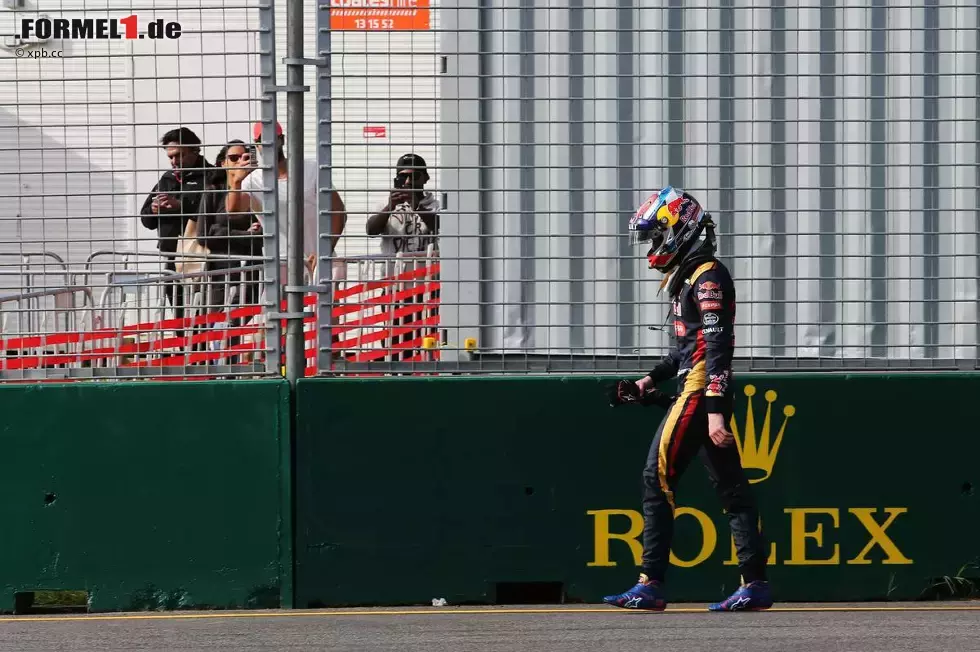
148,496
179,495
474,489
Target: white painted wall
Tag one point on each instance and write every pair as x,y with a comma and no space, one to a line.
388,79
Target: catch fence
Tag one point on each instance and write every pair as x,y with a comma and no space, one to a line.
835,144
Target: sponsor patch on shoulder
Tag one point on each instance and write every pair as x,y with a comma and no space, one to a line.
709,319
709,294
712,329
710,305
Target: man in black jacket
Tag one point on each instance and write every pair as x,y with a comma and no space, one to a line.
175,198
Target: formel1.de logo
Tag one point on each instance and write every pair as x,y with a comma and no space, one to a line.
71,29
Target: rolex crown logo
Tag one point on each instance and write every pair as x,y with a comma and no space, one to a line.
757,449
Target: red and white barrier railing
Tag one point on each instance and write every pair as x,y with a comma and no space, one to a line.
373,319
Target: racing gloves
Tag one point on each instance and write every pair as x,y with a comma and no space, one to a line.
626,392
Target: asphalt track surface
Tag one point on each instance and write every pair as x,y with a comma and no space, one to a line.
929,627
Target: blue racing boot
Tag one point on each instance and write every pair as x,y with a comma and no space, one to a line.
647,595
754,596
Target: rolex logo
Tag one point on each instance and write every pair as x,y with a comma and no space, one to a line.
757,449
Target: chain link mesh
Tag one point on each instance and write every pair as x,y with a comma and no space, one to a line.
835,144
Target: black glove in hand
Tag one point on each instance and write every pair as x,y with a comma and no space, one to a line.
626,392
623,392
658,398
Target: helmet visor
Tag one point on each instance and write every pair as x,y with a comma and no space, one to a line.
655,237
647,224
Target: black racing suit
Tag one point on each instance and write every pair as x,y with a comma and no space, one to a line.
704,326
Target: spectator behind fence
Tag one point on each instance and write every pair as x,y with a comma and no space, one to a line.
226,233
408,223
252,184
253,196
174,200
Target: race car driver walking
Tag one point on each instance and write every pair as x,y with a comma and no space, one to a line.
702,294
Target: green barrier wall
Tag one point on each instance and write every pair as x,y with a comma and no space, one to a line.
147,495
413,489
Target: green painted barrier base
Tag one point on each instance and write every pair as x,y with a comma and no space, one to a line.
147,496
472,489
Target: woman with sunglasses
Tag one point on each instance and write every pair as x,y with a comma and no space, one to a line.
229,234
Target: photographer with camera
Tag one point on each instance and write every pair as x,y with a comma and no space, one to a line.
409,221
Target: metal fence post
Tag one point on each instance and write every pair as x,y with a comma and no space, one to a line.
295,356
273,280
324,161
